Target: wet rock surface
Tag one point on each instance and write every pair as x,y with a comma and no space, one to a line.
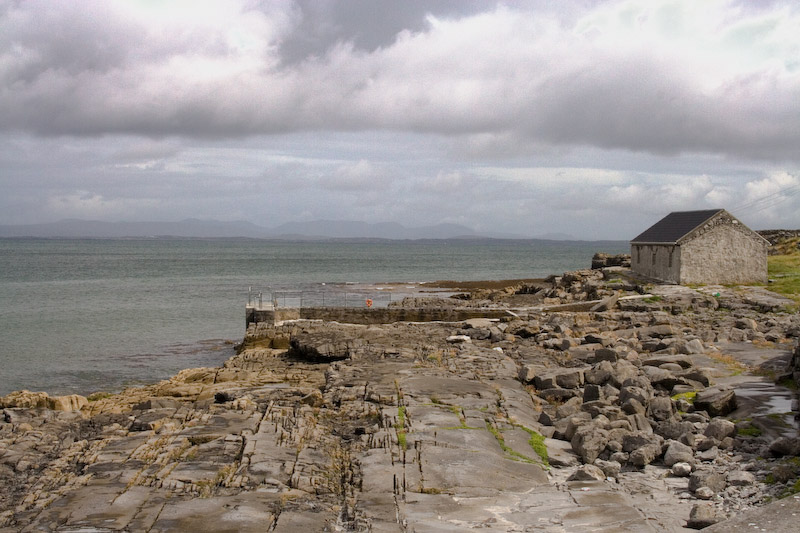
641,417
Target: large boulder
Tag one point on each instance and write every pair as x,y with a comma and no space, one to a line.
610,468
587,473
703,515
719,428
71,402
527,373
707,478
661,378
785,446
25,399
715,401
589,441
623,370
678,452
661,408
600,373
644,448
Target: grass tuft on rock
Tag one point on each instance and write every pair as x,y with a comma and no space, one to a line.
401,427
688,396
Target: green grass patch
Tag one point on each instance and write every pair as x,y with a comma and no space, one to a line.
536,441
400,427
93,397
688,396
652,299
791,490
538,446
784,271
751,431
780,419
456,410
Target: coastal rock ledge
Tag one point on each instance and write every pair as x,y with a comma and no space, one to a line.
642,416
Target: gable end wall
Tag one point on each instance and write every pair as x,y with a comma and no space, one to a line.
724,254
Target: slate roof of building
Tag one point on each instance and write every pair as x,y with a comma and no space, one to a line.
672,227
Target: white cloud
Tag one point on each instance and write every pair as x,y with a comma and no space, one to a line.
553,177
92,206
774,199
355,176
444,183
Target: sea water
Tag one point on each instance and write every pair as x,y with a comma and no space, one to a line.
78,316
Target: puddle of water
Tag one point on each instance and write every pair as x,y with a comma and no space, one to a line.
762,399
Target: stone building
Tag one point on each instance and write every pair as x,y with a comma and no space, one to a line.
700,247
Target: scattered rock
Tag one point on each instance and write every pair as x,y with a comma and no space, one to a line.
715,401
740,478
703,515
681,469
678,452
785,446
587,473
719,428
707,478
611,469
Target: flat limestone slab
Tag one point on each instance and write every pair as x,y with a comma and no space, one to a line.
98,503
245,512
782,516
475,473
294,521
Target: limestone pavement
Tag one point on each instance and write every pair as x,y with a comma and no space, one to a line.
547,421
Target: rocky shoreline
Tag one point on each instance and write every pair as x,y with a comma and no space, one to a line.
600,401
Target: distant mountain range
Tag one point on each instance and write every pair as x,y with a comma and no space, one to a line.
195,228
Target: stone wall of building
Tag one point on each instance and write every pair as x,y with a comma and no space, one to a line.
659,261
724,254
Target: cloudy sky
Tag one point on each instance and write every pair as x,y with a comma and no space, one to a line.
588,118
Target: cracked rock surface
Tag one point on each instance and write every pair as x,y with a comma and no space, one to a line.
547,421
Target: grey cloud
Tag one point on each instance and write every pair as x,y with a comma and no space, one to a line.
640,107
145,150
38,38
367,24
90,72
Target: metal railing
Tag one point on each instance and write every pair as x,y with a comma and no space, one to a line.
320,298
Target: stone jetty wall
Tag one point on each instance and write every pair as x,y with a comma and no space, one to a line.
372,316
